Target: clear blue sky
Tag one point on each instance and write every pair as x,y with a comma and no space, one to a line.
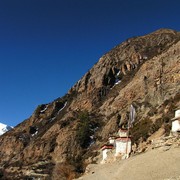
48,45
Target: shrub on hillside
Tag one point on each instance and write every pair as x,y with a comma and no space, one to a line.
84,130
141,130
1,173
63,171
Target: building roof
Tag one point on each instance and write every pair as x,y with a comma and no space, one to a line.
107,146
112,137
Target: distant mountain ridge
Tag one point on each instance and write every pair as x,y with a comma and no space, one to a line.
4,128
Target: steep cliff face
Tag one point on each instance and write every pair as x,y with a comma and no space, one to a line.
143,71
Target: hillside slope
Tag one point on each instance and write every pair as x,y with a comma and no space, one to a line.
61,137
155,164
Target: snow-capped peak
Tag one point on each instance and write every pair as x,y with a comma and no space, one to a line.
4,128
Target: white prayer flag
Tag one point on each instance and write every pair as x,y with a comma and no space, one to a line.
132,115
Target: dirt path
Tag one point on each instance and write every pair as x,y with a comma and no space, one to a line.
155,164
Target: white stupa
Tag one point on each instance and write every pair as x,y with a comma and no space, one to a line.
176,122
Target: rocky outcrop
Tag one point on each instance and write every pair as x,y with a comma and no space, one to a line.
143,71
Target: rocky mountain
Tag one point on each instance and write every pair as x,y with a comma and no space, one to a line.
62,137
4,128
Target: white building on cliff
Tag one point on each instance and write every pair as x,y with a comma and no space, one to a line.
106,148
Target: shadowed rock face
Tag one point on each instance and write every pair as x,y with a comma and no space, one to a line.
143,71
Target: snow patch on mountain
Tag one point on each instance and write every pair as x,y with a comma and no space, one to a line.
4,128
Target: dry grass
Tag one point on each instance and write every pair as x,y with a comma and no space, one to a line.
63,171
